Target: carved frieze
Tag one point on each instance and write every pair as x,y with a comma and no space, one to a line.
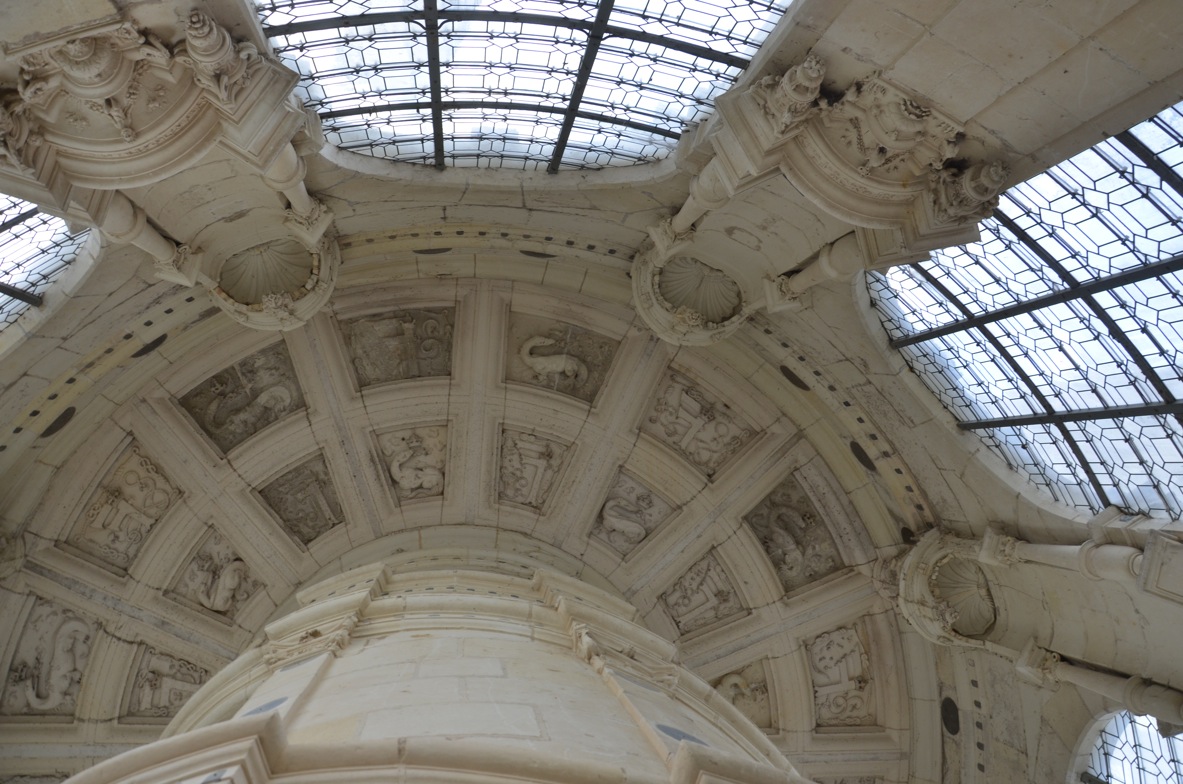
702,596
747,690
216,578
400,345
305,500
530,466
841,673
161,685
558,356
133,497
416,460
631,512
793,534
694,424
235,403
51,655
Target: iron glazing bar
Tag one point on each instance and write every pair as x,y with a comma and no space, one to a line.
595,37
1168,175
1174,408
431,25
1032,387
544,20
18,219
20,294
500,105
1074,291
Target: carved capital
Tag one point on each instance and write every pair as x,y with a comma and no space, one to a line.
968,195
1038,665
220,66
999,549
331,637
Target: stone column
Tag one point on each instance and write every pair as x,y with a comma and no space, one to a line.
474,674
1093,560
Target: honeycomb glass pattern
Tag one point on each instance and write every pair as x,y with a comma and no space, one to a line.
525,84
1131,750
1057,337
34,249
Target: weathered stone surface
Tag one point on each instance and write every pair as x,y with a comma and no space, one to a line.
630,513
216,578
51,656
530,466
747,689
234,404
128,503
694,424
400,345
797,540
305,500
841,672
415,460
558,356
702,596
161,685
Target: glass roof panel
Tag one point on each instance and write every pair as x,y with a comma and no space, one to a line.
34,249
1059,337
622,79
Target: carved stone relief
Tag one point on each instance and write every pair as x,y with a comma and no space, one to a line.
747,690
416,461
850,780
305,500
216,578
702,596
162,684
704,431
234,404
963,586
798,542
557,356
133,497
530,465
46,672
841,673
400,345
631,512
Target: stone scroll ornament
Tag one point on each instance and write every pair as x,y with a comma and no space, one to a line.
692,423
841,675
702,596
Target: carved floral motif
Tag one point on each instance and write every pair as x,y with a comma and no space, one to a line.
702,596
841,675
415,459
132,499
401,345
305,500
798,542
530,464
216,578
220,66
631,512
241,400
162,684
701,429
46,672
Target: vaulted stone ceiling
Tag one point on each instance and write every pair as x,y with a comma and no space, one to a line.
479,377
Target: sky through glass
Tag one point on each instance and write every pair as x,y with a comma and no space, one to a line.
527,84
1057,337
34,249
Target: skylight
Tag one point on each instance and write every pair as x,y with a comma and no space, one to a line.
34,249
1057,337
1131,750
527,84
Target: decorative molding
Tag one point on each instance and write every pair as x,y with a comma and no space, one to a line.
46,672
1161,571
702,597
529,468
216,578
629,514
234,404
331,637
415,460
798,542
789,100
695,425
130,500
401,345
841,674
305,500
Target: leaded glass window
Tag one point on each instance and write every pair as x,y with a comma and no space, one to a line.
528,84
1058,337
34,249
1131,750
